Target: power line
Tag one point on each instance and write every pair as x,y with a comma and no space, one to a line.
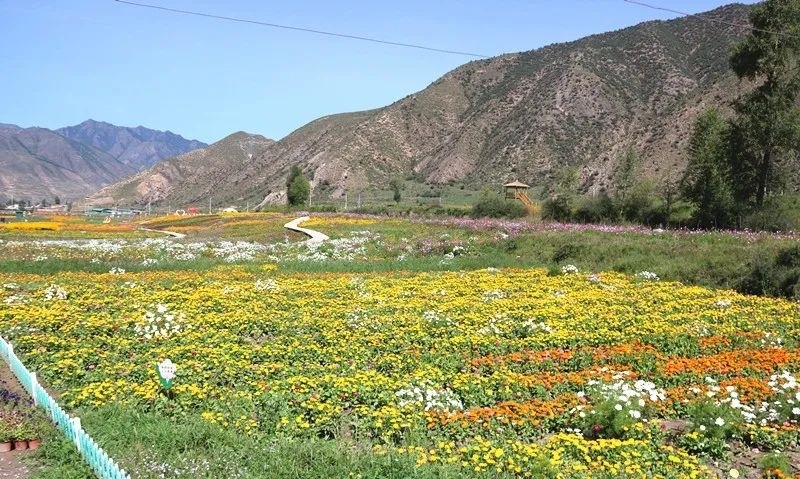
301,29
709,19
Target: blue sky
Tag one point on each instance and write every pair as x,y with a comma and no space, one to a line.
65,61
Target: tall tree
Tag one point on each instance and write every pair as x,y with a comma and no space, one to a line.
768,121
298,188
396,185
706,181
624,179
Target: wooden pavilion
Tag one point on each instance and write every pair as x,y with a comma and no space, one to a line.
517,190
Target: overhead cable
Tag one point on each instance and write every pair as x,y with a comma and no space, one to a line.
302,29
711,19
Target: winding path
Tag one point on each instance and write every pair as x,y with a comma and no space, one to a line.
170,233
315,236
294,225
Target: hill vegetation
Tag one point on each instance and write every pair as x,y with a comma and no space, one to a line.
529,116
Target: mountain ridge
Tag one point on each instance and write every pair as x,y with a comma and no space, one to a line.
72,162
529,115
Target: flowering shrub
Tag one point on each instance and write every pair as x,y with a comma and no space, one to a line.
569,269
54,292
159,323
428,397
616,407
646,276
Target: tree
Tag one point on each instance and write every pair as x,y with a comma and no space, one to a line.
706,181
298,188
624,179
768,118
396,185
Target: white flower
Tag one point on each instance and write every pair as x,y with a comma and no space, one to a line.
618,407
719,422
646,276
569,269
635,414
796,411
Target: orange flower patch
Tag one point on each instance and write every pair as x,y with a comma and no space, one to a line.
531,412
732,362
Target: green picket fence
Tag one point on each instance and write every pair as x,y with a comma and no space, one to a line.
98,460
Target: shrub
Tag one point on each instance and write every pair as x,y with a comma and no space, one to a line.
493,206
595,210
778,275
779,213
557,208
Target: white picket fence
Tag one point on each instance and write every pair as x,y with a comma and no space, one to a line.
98,460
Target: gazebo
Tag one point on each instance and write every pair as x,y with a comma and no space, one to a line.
517,190
514,189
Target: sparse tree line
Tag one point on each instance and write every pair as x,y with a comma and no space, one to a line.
26,203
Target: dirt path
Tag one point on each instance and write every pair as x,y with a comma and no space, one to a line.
10,466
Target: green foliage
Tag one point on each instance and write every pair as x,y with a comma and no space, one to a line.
625,174
773,463
189,447
600,209
706,181
711,426
566,251
768,117
642,205
396,185
779,213
494,206
298,188
557,208
776,275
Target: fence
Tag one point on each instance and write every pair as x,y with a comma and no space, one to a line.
93,454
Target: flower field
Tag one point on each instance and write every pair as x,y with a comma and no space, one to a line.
493,372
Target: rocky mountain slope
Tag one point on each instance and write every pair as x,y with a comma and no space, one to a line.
201,174
520,116
70,163
138,147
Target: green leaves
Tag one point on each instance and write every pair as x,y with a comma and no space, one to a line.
298,188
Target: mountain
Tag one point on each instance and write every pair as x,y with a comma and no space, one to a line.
72,162
138,147
201,174
524,116
37,163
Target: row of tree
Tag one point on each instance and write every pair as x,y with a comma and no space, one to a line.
739,167
736,163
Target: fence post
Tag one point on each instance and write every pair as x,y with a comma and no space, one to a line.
76,426
34,385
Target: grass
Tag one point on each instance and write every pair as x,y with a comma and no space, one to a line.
191,447
716,260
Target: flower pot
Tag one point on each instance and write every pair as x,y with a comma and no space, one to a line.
6,446
20,445
34,444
